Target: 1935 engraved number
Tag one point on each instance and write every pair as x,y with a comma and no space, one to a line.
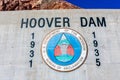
31,52
96,51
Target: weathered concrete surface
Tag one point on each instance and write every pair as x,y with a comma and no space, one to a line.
15,46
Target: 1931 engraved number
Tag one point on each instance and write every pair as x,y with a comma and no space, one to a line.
32,52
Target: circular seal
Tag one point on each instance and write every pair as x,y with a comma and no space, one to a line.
64,49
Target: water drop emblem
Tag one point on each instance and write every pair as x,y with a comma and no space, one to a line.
64,51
